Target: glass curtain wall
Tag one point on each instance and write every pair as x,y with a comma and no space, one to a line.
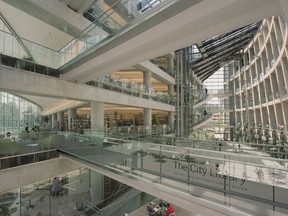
17,113
219,103
188,90
9,44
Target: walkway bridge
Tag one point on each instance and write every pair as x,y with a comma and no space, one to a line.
205,181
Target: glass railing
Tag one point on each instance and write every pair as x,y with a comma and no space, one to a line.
202,119
24,143
277,95
250,103
216,107
131,89
248,84
111,19
240,175
256,102
270,97
272,143
37,199
19,160
27,65
283,91
41,54
135,132
219,92
229,167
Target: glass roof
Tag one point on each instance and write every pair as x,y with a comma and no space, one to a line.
222,48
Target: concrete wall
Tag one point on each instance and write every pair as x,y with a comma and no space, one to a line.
19,81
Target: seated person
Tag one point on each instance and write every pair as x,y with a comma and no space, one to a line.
150,208
163,204
9,136
169,209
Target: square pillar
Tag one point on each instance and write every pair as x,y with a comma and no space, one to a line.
71,116
97,116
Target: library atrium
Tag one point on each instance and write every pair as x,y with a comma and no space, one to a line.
108,106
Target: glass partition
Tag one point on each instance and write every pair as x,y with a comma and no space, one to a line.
17,113
38,199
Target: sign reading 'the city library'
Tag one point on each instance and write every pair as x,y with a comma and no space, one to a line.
201,173
227,177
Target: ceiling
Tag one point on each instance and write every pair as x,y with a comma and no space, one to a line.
54,24
221,49
184,23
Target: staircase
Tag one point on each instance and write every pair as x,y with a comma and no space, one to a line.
92,210
204,121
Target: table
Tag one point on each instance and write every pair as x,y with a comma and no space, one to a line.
159,211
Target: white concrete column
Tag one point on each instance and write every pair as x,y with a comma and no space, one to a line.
171,65
147,81
97,115
171,92
60,119
147,117
49,122
96,186
54,120
171,120
71,117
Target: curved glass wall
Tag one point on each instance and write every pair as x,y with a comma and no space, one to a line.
17,113
259,82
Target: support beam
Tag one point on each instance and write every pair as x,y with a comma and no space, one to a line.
171,120
147,81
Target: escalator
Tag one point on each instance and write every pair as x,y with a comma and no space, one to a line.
116,204
89,211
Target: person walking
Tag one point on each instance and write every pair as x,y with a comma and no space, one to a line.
55,186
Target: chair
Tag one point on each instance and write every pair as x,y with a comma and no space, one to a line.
32,135
13,210
39,214
41,198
